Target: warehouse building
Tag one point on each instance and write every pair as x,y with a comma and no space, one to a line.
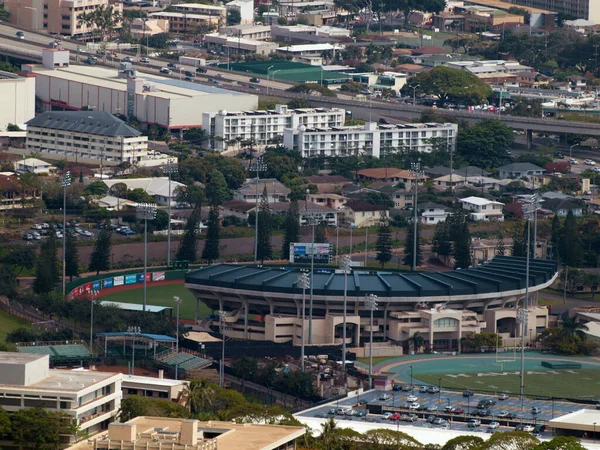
152,99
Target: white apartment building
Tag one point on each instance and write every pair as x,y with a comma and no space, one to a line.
265,126
85,136
369,139
483,210
91,398
18,99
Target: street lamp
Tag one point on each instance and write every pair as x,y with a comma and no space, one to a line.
371,304
65,182
222,316
529,211
345,266
414,88
440,390
311,219
177,301
169,170
258,166
411,379
134,331
93,297
571,150
418,173
146,211
304,283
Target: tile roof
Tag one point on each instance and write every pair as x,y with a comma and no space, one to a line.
91,122
359,205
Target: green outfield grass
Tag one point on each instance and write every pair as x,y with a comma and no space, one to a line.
9,323
162,295
581,384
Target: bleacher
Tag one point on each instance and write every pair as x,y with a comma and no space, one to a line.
57,352
184,361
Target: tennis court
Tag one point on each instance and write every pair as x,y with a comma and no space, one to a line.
291,72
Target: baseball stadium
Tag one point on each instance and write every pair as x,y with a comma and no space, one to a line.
265,303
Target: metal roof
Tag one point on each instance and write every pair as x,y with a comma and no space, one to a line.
135,307
503,273
91,122
152,337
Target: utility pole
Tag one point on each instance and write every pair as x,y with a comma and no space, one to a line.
65,182
345,266
169,170
371,304
416,169
303,283
258,166
146,211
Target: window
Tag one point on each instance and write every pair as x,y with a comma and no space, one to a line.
132,391
446,322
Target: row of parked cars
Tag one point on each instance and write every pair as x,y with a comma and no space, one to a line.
121,229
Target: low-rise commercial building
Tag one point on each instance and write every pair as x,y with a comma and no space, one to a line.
92,399
143,28
160,388
186,22
85,136
249,31
264,127
234,45
245,8
33,165
310,50
370,139
386,80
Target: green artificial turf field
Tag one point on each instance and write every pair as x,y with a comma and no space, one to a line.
162,295
9,323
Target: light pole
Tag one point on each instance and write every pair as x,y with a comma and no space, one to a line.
146,211
440,390
177,301
411,379
529,210
414,88
93,297
594,432
311,219
258,166
222,316
169,169
268,70
134,331
304,283
345,266
416,169
571,150
65,182
371,304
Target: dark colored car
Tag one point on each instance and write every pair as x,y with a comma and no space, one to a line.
468,393
397,387
200,70
254,80
189,74
172,65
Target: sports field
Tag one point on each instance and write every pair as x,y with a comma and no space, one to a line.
162,296
9,323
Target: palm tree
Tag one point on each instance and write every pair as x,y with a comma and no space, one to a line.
330,436
198,395
85,19
572,327
417,342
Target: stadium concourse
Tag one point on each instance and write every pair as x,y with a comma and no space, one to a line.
265,303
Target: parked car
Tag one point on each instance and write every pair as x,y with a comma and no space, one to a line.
422,388
87,233
20,35
432,408
331,412
459,411
502,414
589,162
412,398
89,62
473,423
449,409
129,233
45,225
189,74
166,70
127,59
384,397
172,66
559,156
433,389
144,60
200,70
431,418
395,416
36,226
406,388
28,237
361,413
573,162
397,387
386,415
503,396
528,428
411,418
439,421
535,410
468,393
414,405
493,425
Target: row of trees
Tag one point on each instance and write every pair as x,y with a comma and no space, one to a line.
36,428
452,238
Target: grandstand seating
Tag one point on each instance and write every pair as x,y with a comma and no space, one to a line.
184,361
58,352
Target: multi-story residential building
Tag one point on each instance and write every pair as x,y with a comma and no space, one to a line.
369,139
92,399
85,136
180,22
265,126
200,8
56,16
482,209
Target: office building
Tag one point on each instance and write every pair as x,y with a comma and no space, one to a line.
56,16
152,99
92,399
254,32
18,99
245,8
85,136
230,128
236,45
180,22
370,139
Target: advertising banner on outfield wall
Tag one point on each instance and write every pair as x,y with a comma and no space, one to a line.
107,283
119,281
158,276
96,285
130,279
140,277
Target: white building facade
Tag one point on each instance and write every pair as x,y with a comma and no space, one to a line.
18,99
369,139
265,126
483,210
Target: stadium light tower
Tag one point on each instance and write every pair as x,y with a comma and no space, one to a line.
65,183
311,219
145,211
257,166
529,211
418,173
304,283
170,169
371,304
93,297
222,316
345,266
134,331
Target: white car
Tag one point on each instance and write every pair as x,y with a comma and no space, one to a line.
87,233
502,414
589,162
528,428
36,226
503,396
384,397
573,162
386,415
411,398
413,406
144,60
493,425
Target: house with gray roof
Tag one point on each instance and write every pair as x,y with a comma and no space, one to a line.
85,136
519,170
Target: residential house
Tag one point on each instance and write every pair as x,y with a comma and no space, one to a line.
242,210
449,181
157,187
328,183
562,207
33,165
112,203
486,183
331,201
438,171
388,175
276,191
519,170
432,213
362,214
403,198
483,210
12,194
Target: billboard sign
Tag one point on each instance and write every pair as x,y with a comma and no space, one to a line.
302,253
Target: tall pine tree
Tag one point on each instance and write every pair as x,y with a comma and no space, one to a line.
500,249
409,245
570,249
292,229
555,237
210,252
100,257
519,248
384,242
442,243
47,272
71,257
188,247
461,236
265,224
321,233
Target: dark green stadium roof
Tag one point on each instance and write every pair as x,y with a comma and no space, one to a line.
503,273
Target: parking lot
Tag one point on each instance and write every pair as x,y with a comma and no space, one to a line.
429,412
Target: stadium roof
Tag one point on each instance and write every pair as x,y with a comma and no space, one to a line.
92,122
503,273
135,307
152,337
